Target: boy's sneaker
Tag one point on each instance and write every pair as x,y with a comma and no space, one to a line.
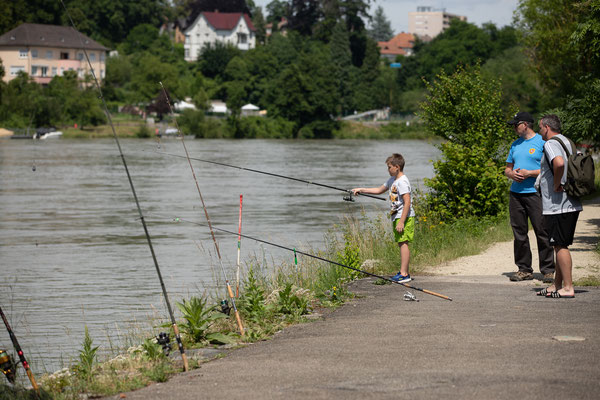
401,278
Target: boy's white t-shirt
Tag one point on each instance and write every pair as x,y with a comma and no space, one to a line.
396,188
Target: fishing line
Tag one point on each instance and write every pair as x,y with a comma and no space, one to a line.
162,284
349,197
177,219
231,296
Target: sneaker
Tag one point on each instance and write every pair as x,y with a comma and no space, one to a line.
401,278
521,276
548,278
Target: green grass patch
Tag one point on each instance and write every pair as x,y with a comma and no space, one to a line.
590,280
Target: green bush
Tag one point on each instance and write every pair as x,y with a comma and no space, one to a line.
466,110
263,127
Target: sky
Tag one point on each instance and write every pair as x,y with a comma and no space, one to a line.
500,12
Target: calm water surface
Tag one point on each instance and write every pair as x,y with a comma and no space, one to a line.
73,251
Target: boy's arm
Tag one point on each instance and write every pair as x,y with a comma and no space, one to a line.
375,190
405,211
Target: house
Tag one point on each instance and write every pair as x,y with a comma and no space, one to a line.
428,21
401,44
282,26
44,51
211,27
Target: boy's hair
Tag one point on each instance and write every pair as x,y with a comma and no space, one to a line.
396,160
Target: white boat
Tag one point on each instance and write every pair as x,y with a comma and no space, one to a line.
47,133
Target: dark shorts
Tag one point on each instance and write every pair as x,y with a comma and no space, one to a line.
561,228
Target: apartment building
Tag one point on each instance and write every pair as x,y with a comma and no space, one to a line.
45,51
428,22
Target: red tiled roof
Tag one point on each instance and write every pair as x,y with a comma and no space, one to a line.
48,36
227,21
397,44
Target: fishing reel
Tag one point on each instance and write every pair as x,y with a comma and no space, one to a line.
165,341
349,197
225,308
7,366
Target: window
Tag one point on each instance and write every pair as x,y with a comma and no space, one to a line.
242,38
80,72
92,56
102,56
14,69
44,71
34,70
22,53
80,56
54,70
187,53
62,71
34,53
102,73
49,54
64,56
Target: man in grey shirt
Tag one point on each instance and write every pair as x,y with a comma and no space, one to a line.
560,210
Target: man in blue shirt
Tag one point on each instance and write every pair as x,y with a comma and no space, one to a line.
523,167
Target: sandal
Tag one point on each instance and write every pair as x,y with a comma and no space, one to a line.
543,292
556,295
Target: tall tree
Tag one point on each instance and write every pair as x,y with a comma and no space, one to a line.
343,74
277,9
381,28
304,15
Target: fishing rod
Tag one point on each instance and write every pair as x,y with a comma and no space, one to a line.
317,257
239,248
162,283
10,375
230,292
349,197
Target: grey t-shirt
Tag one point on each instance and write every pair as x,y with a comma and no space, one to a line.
555,202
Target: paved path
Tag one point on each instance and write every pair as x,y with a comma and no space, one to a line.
496,340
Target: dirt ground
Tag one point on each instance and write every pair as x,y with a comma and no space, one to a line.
498,260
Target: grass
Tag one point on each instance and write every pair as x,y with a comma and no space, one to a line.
588,281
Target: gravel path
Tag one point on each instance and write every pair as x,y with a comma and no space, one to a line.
498,260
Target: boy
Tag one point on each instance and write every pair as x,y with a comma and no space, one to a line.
402,212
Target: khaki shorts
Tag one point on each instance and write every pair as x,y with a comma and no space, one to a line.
408,235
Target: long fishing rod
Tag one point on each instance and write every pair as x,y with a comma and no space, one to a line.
239,249
230,292
162,283
318,258
19,351
350,196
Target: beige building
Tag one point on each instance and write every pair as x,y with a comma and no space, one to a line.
45,51
429,22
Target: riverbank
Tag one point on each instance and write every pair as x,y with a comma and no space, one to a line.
473,347
132,128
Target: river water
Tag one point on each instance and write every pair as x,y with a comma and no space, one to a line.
73,251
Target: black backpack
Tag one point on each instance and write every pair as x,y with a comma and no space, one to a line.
580,171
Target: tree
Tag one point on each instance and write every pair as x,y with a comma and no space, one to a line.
562,39
343,69
369,72
213,59
547,27
303,16
277,10
465,109
381,28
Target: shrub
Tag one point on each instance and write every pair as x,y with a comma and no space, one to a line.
466,110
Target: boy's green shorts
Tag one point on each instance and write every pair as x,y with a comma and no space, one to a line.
408,235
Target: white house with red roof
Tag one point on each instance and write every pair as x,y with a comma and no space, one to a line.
401,44
211,27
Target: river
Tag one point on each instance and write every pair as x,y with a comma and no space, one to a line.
72,248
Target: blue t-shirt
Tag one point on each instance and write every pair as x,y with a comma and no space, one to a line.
526,154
